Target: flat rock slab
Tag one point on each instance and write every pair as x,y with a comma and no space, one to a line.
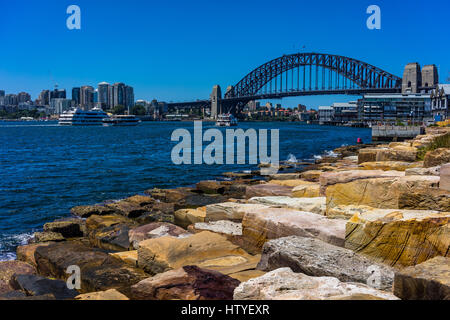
108,295
284,284
26,253
205,249
154,230
306,191
8,269
291,182
69,228
401,238
186,283
436,157
223,227
99,270
316,258
347,212
127,208
128,257
267,190
315,205
87,211
33,285
272,223
186,217
232,211
389,165
429,280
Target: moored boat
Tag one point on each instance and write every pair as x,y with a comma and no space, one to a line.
121,120
226,120
79,117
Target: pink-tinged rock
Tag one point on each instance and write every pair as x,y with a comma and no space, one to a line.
273,223
267,190
154,230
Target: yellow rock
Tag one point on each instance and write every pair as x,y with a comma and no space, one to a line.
291,183
306,191
311,175
400,239
108,295
205,249
390,165
186,217
244,276
129,257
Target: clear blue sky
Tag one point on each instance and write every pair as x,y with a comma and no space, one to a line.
177,50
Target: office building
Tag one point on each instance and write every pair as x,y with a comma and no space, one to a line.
44,98
58,94
326,114
76,96
23,97
11,100
104,95
86,97
59,105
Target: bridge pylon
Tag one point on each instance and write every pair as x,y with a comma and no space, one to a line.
216,105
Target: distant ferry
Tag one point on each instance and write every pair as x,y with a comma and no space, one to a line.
226,120
121,121
79,117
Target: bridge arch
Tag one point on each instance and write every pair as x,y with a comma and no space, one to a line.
348,74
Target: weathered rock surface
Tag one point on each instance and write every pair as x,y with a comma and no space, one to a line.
141,200
154,230
87,211
108,295
389,165
444,183
204,249
429,280
184,198
272,223
186,283
99,270
210,187
436,157
40,237
428,199
70,228
283,284
400,238
33,285
267,190
246,275
311,175
229,229
347,212
224,211
26,253
306,191
186,217
367,155
128,257
400,153
127,208
315,205
292,183
10,268
379,192
316,258
433,171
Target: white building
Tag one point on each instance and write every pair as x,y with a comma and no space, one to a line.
440,102
326,114
59,105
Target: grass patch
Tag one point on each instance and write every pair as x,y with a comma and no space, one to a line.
439,142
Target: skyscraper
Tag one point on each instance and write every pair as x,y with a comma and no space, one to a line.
58,94
119,94
23,97
129,97
2,93
87,97
103,95
76,95
44,98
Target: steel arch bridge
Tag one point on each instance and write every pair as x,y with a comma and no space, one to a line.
303,74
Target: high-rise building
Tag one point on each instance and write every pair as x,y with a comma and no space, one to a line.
110,97
11,100
59,105
23,97
76,98
119,94
44,98
2,93
103,95
58,94
129,97
87,97
2,98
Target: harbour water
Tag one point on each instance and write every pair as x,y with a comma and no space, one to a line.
46,169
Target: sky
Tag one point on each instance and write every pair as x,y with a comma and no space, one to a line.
178,50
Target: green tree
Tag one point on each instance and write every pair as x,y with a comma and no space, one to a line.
119,109
138,110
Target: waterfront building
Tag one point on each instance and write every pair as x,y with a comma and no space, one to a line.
395,107
345,112
11,100
2,98
440,102
23,97
119,94
44,98
59,105
76,95
87,97
57,94
326,114
129,97
110,97
104,96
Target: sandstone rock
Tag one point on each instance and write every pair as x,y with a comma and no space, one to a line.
292,183
71,228
379,192
429,280
141,200
127,208
184,198
347,212
152,231
40,237
128,257
244,276
314,257
224,211
108,295
399,144
389,165
26,253
408,154
229,229
311,175
367,155
113,238
267,190
399,239
87,211
186,283
283,284
238,175
436,157
204,249
315,205
10,268
272,223
99,270
285,176
95,222
158,212
428,199
444,183
34,285
306,191
186,217
433,171
210,187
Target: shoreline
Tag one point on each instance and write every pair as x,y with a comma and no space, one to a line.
246,215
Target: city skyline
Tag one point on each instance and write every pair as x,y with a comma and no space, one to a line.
164,61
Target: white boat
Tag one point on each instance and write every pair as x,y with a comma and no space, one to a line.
226,120
79,117
120,120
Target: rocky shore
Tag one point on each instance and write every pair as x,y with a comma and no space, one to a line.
371,223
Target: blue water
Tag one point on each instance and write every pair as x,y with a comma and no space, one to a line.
45,169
